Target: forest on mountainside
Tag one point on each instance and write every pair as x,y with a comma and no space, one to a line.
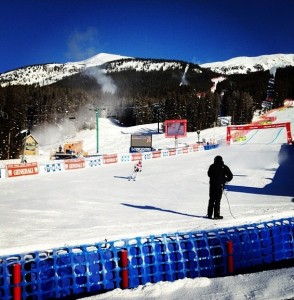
139,98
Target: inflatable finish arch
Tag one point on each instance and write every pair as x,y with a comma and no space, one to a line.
250,127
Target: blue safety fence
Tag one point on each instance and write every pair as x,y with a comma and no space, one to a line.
210,146
92,269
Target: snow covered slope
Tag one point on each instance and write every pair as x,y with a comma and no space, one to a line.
45,74
243,65
171,194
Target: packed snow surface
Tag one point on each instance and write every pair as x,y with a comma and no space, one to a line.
89,205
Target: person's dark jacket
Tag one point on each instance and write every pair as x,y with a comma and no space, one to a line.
219,173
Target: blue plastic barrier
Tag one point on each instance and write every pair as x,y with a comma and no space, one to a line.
93,269
211,146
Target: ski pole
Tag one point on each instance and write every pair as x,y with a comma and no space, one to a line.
228,203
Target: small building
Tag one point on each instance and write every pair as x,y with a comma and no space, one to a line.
31,146
73,147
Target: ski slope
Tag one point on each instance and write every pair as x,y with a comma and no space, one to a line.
89,205
171,194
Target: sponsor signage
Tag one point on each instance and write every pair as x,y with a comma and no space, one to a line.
71,164
172,152
287,125
140,149
136,156
14,170
51,167
156,154
110,158
251,127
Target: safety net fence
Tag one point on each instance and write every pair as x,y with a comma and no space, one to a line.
96,268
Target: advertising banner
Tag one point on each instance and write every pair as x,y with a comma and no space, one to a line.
94,161
110,158
185,150
71,164
156,154
14,170
51,167
287,126
125,157
172,152
136,156
147,155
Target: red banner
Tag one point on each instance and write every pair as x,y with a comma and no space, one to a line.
185,150
156,154
172,152
250,127
195,147
109,158
14,170
71,164
136,156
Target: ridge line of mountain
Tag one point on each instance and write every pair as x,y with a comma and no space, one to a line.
45,74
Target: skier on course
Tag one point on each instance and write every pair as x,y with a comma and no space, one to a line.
137,168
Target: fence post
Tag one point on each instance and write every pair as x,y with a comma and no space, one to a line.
16,281
230,257
124,267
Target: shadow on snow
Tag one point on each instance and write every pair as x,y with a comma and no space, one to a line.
282,183
122,177
160,209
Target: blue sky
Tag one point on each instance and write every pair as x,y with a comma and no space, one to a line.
199,31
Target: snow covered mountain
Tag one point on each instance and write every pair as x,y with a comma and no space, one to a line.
45,74
244,64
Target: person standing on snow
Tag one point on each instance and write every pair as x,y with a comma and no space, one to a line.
219,174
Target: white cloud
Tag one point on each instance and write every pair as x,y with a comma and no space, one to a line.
83,44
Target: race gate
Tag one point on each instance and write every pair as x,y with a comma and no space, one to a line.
247,128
